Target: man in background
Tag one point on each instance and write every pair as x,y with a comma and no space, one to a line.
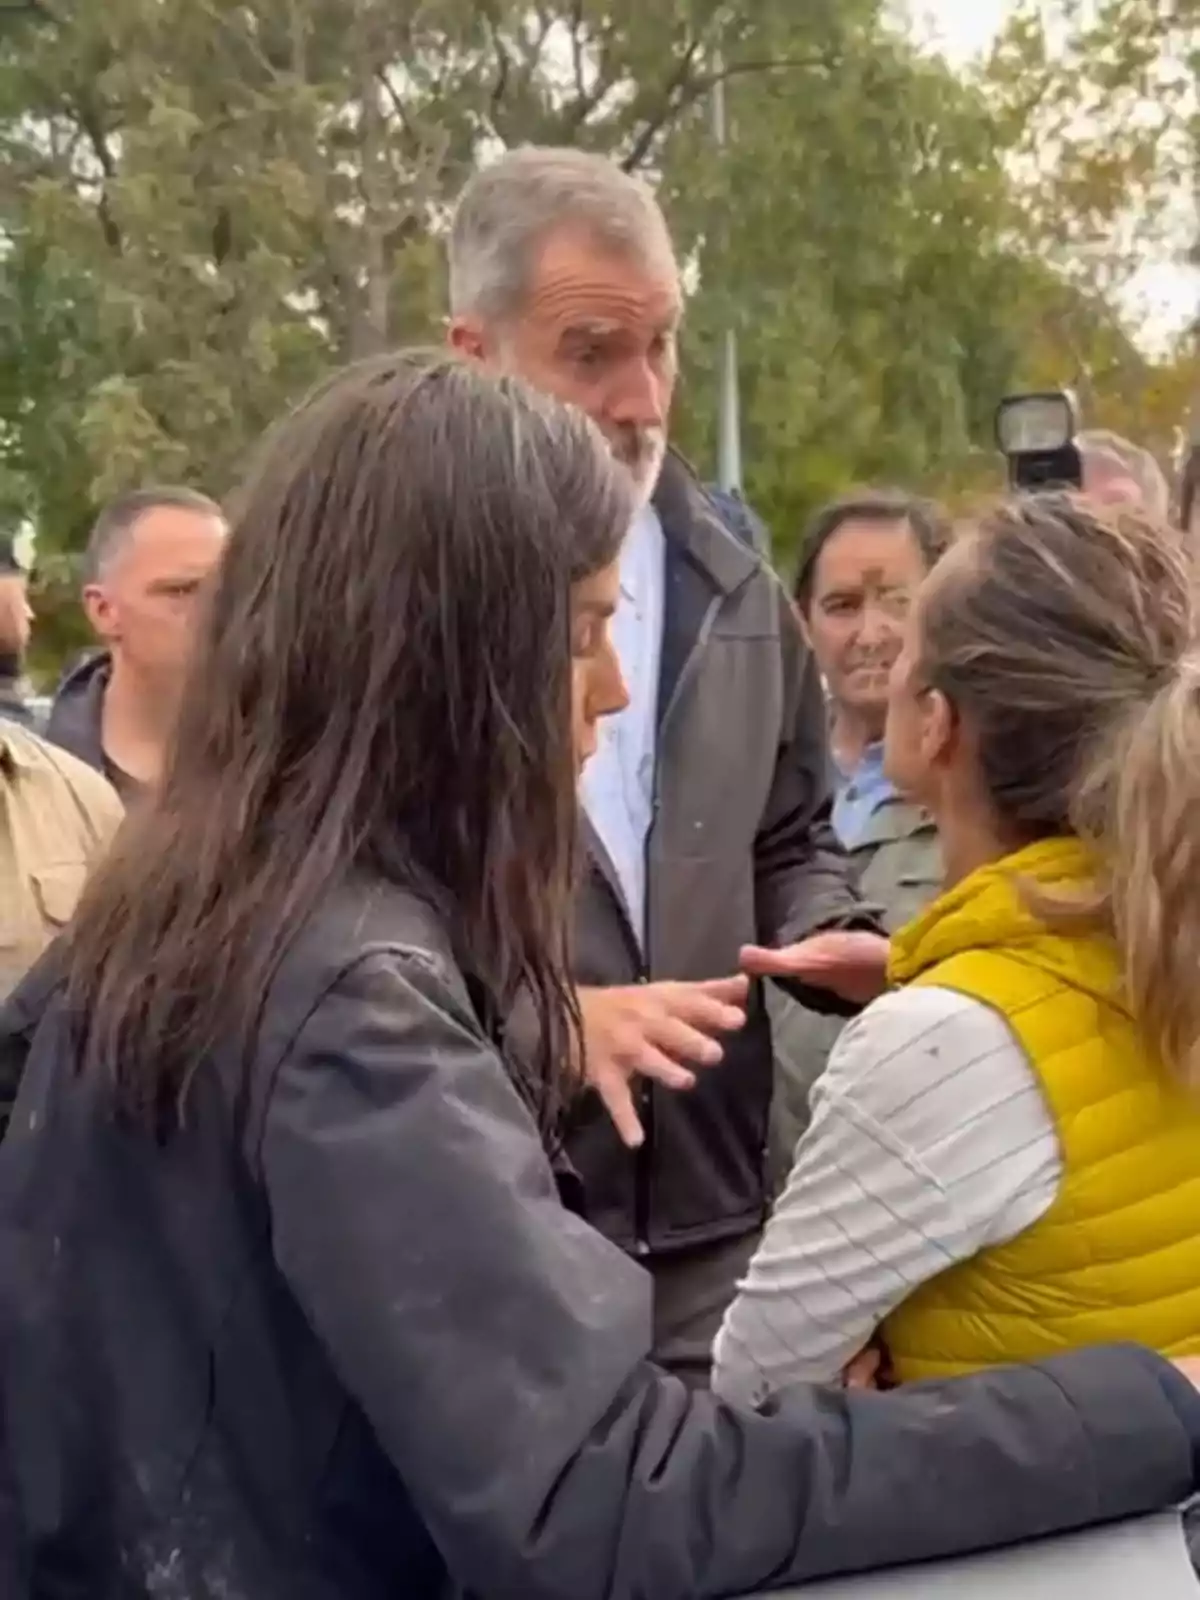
56,815
16,619
147,561
862,560
1117,472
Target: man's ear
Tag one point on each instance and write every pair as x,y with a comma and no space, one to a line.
97,608
465,337
802,622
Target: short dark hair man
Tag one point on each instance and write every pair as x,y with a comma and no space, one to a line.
149,555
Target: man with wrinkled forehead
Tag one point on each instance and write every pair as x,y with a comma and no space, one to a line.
711,863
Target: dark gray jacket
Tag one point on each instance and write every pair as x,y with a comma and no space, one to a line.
75,716
740,851
339,1340
898,865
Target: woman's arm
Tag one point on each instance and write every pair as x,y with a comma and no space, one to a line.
498,1348
930,1139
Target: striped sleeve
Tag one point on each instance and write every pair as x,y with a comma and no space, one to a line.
930,1140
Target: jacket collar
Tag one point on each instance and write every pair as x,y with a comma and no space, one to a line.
995,909
893,820
692,523
14,754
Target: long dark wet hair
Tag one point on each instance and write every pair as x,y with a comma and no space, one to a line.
382,683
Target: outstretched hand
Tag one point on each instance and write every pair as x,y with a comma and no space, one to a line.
850,963
662,1031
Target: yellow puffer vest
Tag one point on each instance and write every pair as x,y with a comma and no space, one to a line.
1117,1256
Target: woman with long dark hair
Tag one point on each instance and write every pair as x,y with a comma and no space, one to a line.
292,1307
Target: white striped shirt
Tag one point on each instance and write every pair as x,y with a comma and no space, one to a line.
930,1140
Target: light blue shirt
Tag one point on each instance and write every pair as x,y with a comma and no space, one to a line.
618,781
859,796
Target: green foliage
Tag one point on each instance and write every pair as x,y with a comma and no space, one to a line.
207,203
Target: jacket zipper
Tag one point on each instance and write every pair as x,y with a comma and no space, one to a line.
644,1155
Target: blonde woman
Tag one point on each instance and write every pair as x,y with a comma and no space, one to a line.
1004,1156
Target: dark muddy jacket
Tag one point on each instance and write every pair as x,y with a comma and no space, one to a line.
340,1340
740,851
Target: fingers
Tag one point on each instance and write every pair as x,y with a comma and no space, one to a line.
863,1370
660,1067
760,962
732,990
696,1006
679,1041
822,953
613,1088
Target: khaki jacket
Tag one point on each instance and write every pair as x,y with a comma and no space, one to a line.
899,867
57,817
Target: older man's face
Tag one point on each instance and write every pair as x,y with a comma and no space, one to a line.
599,331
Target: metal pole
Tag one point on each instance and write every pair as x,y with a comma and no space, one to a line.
729,428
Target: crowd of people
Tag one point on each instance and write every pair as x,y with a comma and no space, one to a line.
486,1114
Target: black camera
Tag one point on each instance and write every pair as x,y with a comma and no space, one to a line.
1036,433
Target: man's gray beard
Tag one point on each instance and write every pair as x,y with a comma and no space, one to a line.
645,478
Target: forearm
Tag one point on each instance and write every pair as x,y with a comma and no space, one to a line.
896,1179
719,1502
836,1258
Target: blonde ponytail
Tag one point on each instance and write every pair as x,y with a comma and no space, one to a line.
1139,804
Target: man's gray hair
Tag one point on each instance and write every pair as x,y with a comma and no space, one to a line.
1110,450
508,209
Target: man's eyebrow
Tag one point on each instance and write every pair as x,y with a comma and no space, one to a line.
593,328
171,579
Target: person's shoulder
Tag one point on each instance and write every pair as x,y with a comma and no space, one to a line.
740,518
915,1030
684,492
368,937
53,769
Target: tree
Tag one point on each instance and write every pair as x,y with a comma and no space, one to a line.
1099,106
864,262
246,193
207,203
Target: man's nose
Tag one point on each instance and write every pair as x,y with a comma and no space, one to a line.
874,626
637,399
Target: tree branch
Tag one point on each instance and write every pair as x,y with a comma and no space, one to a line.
683,90
503,61
97,135
396,101
673,89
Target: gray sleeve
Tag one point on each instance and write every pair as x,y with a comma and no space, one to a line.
804,883
498,1347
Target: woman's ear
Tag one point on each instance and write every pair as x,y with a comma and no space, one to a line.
939,728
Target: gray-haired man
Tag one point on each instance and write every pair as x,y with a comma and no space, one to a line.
706,801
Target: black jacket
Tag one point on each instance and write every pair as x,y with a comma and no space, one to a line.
740,851
339,1340
75,717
